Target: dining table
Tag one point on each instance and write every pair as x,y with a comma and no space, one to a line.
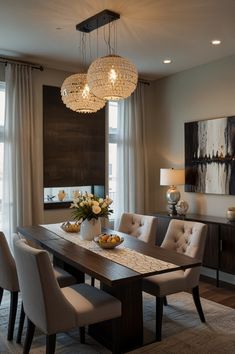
120,272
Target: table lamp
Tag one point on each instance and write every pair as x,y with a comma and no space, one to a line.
171,177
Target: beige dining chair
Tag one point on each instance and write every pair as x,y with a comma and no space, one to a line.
53,309
142,227
9,281
185,237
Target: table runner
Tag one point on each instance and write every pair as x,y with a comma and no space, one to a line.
121,254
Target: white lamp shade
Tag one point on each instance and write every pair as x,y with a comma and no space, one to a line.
171,177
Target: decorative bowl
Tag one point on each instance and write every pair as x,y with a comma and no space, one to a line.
69,226
108,241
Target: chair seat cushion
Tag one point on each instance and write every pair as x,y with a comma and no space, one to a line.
64,278
92,305
165,284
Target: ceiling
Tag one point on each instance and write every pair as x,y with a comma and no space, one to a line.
148,32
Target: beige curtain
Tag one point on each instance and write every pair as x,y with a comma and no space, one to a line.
20,201
132,172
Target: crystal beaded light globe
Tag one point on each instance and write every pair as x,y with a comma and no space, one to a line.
77,96
112,77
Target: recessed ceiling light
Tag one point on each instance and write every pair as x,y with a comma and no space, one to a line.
167,61
216,41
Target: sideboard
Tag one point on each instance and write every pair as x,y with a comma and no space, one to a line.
220,244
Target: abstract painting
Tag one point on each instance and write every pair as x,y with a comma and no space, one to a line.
210,156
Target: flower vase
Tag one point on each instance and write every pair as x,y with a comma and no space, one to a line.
90,229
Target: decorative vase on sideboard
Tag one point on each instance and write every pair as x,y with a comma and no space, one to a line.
90,229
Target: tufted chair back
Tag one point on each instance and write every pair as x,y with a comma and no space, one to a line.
189,238
142,227
185,237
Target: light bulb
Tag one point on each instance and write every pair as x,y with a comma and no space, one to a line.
112,76
86,91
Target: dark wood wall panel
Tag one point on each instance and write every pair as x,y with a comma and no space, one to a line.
73,144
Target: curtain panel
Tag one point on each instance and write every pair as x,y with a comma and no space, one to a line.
19,172
132,170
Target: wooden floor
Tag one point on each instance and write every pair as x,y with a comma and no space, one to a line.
224,295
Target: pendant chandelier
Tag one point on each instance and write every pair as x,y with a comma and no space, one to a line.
111,77
75,91
77,96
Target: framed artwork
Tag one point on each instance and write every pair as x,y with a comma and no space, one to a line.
210,156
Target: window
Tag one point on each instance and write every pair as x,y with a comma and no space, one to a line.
2,112
113,108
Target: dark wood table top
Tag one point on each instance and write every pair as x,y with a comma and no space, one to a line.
103,269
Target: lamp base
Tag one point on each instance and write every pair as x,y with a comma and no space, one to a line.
172,210
173,196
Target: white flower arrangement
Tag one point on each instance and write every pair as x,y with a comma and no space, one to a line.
89,206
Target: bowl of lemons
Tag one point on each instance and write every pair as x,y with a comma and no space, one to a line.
108,241
70,226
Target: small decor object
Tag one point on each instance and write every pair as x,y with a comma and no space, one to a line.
90,208
61,195
231,214
71,226
182,207
50,198
108,241
171,177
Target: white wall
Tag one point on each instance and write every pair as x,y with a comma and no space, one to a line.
207,91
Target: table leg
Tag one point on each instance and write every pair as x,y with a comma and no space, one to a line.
131,335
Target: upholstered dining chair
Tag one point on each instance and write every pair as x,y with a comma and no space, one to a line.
185,237
142,227
9,281
53,309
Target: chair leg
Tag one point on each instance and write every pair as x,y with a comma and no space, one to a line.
12,315
21,325
29,337
159,313
1,294
197,302
82,335
50,344
165,301
116,333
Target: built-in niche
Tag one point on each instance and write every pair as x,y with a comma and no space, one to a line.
73,150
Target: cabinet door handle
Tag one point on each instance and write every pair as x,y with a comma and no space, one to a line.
221,245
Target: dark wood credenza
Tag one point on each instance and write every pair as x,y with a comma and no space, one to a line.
220,244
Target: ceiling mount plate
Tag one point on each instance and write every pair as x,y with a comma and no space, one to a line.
96,21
